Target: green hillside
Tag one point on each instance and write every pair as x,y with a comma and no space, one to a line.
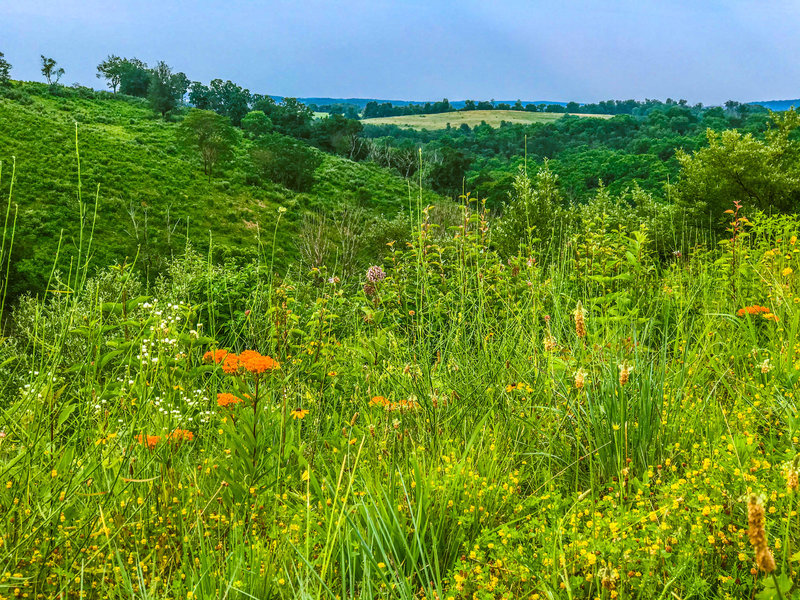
151,193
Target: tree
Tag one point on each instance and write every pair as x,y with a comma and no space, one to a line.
50,71
162,92
338,134
738,167
181,83
209,134
134,77
111,70
230,100
5,70
256,123
286,161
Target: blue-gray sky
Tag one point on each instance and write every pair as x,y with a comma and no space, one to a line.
585,50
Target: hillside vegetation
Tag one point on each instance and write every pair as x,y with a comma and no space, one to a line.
151,193
352,389
471,118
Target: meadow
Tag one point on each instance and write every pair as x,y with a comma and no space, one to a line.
231,385
587,418
455,119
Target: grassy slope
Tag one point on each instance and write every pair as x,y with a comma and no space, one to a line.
143,176
471,118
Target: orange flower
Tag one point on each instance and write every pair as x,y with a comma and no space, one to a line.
231,363
225,400
257,364
151,441
378,401
181,435
752,310
216,355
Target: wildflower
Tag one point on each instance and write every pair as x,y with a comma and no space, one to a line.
753,310
580,320
377,401
791,472
181,435
255,363
225,400
787,271
549,343
758,535
766,366
624,373
230,363
375,274
215,355
580,379
151,441
299,413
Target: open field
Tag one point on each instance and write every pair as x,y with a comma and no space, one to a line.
471,118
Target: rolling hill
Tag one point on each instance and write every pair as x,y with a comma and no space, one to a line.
152,195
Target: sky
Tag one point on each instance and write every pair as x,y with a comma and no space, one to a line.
705,51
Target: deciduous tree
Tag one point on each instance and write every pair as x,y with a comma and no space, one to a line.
51,72
111,70
211,135
5,70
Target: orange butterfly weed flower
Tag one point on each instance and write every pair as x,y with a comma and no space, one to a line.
257,364
181,435
216,355
378,401
753,310
230,364
151,441
225,400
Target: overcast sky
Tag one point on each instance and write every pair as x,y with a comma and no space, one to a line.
585,50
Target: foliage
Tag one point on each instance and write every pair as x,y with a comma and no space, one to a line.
211,135
256,123
5,70
134,77
51,72
164,89
735,166
285,161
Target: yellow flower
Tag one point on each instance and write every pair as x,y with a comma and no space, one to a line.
299,413
787,271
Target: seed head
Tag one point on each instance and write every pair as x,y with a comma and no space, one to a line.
758,535
580,320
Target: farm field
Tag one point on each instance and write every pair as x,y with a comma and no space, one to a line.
471,118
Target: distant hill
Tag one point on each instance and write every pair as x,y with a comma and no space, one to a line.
471,118
778,104
362,102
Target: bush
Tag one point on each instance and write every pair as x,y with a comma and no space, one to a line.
286,161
